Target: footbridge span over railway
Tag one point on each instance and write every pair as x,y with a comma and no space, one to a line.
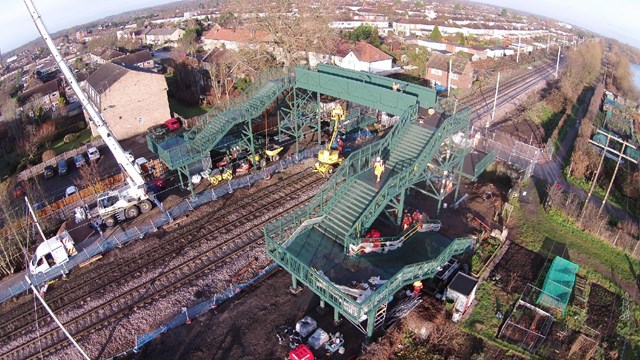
323,244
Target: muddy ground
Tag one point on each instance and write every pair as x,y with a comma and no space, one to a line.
245,327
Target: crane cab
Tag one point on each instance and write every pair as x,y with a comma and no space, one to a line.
52,252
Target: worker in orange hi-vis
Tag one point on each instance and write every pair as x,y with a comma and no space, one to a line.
406,221
378,168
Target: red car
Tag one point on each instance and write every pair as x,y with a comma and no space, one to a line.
173,124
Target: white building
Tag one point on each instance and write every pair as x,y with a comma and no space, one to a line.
462,290
359,56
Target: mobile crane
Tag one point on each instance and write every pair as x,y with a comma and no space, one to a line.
116,205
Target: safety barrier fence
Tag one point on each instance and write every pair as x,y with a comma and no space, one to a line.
125,233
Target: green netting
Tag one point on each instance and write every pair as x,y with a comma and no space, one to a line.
558,284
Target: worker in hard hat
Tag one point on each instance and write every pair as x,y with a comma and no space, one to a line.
378,168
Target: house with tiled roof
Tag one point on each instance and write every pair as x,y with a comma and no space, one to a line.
362,56
101,56
356,55
140,59
234,39
130,100
459,75
163,35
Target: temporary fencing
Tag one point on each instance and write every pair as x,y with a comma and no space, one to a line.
187,314
126,233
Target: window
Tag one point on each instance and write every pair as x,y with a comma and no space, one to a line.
436,72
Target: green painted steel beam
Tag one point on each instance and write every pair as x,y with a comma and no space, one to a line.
373,96
426,96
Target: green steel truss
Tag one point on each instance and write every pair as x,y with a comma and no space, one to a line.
180,151
300,115
277,236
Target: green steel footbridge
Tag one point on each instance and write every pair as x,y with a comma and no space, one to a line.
427,151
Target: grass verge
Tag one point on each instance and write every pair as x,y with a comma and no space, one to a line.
59,147
186,112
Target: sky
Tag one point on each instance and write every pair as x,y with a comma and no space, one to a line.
18,29
617,19
612,18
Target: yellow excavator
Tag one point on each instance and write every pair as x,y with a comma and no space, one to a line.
329,159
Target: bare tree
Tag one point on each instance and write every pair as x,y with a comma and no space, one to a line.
292,27
89,176
33,137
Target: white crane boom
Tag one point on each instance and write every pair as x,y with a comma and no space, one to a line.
134,178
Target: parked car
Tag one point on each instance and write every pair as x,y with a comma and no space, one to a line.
79,160
173,124
49,172
63,167
93,153
70,191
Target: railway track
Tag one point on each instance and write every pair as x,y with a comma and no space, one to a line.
231,239
508,91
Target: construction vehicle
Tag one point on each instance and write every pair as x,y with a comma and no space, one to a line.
328,158
53,251
117,205
216,175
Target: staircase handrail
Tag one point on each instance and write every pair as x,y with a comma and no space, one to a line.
265,77
337,185
399,182
356,310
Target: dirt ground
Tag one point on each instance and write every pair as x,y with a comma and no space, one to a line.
603,310
518,267
245,327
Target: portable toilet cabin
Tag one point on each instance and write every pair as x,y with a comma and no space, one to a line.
53,251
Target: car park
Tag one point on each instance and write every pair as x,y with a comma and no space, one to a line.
63,167
79,160
49,172
93,153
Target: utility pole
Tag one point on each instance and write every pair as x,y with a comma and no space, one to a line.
64,330
620,154
449,78
558,61
595,177
518,55
495,101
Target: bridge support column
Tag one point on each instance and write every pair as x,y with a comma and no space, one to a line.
184,171
295,289
371,322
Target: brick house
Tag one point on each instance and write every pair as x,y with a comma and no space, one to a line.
462,74
130,100
45,95
141,59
